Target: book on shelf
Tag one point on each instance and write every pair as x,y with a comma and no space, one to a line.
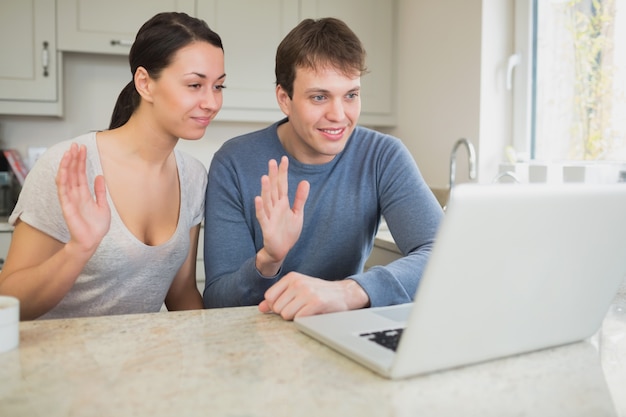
17,164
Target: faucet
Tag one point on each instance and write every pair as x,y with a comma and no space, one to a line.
506,174
471,157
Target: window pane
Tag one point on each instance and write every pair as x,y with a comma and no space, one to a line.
580,101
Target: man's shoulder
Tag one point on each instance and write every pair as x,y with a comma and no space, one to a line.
367,138
245,151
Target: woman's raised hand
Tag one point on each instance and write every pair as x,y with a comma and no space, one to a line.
88,219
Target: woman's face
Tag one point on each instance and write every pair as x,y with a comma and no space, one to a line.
188,93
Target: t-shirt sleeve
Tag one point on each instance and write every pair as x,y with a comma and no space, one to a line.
195,182
38,203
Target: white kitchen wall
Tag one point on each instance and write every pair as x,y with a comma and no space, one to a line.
450,84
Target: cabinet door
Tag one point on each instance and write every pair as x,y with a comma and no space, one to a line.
251,31
373,22
28,68
108,26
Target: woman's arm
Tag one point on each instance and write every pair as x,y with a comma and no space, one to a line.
40,270
183,293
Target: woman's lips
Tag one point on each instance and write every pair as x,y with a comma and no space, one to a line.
203,121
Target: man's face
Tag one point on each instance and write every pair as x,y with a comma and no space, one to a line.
323,112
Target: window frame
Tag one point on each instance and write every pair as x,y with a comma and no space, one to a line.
521,73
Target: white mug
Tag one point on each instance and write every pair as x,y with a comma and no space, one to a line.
9,323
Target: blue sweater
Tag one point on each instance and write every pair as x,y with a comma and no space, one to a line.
374,175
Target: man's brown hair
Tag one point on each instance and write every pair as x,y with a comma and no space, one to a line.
312,44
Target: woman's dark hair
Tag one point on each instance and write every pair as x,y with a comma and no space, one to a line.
318,43
155,45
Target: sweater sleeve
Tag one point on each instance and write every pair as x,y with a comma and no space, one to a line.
229,249
413,216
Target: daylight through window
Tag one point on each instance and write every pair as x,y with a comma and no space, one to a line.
578,98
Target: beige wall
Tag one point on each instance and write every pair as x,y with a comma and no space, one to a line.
451,62
450,83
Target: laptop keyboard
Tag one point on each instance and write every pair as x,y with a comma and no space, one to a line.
385,338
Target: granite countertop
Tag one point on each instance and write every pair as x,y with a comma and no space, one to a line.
239,362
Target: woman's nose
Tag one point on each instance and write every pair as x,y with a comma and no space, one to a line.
212,101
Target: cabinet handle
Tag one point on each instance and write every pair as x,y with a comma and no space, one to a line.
44,59
121,42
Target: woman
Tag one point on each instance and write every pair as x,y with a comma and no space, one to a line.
134,245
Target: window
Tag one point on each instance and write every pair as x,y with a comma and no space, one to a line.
569,81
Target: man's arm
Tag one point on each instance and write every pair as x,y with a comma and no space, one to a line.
297,295
413,216
236,273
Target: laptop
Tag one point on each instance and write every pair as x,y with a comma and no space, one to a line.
515,268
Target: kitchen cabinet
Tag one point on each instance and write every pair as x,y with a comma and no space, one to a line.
30,68
108,27
251,31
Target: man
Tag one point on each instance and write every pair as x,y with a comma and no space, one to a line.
293,235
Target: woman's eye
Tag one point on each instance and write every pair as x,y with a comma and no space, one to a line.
220,87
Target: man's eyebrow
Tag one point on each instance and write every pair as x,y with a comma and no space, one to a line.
323,90
316,90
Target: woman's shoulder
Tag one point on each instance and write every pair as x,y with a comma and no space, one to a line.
189,163
55,152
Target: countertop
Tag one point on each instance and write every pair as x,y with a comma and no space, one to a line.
239,362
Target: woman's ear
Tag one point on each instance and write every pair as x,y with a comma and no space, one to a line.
284,102
143,83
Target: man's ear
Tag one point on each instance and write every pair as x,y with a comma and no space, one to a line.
284,102
143,82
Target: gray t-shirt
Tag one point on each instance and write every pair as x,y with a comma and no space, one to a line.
124,275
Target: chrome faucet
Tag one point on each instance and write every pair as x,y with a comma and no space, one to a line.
471,155
471,158
507,174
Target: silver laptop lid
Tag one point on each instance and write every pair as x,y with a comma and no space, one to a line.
516,268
